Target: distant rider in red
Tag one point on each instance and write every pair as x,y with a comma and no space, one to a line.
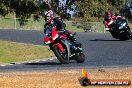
109,19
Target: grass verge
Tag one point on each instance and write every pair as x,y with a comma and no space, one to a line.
9,23
14,52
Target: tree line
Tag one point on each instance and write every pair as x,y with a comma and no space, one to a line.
25,8
94,10
88,10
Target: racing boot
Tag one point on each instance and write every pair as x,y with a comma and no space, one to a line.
77,44
73,39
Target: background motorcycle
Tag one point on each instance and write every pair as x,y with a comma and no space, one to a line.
63,48
120,29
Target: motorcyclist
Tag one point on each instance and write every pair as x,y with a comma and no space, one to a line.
51,19
109,19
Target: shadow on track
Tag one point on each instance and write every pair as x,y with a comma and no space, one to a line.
48,63
106,40
44,63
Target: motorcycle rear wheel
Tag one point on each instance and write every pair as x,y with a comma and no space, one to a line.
80,58
129,34
124,39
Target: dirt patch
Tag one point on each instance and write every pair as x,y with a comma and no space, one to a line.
60,79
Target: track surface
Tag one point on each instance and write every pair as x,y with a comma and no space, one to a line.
101,50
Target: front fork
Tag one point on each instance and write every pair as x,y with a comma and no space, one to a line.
56,44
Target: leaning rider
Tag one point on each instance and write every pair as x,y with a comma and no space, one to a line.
108,20
51,19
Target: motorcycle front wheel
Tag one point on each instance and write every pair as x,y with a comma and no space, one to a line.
62,57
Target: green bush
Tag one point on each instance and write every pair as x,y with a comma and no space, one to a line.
90,26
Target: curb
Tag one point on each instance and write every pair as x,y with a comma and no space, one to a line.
22,62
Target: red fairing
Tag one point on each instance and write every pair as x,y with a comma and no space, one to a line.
113,18
46,39
60,47
54,33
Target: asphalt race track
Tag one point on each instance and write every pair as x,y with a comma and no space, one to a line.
101,50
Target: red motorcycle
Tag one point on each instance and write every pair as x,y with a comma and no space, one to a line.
63,48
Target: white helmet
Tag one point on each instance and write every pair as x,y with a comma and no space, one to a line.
47,1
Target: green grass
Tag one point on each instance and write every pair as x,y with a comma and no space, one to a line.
9,23
14,52
98,27
69,26
6,23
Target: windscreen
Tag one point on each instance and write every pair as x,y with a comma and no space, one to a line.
48,30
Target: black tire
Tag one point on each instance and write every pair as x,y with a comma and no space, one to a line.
129,34
114,34
57,53
124,39
125,36
80,58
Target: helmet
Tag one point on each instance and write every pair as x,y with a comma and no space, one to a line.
46,1
109,15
